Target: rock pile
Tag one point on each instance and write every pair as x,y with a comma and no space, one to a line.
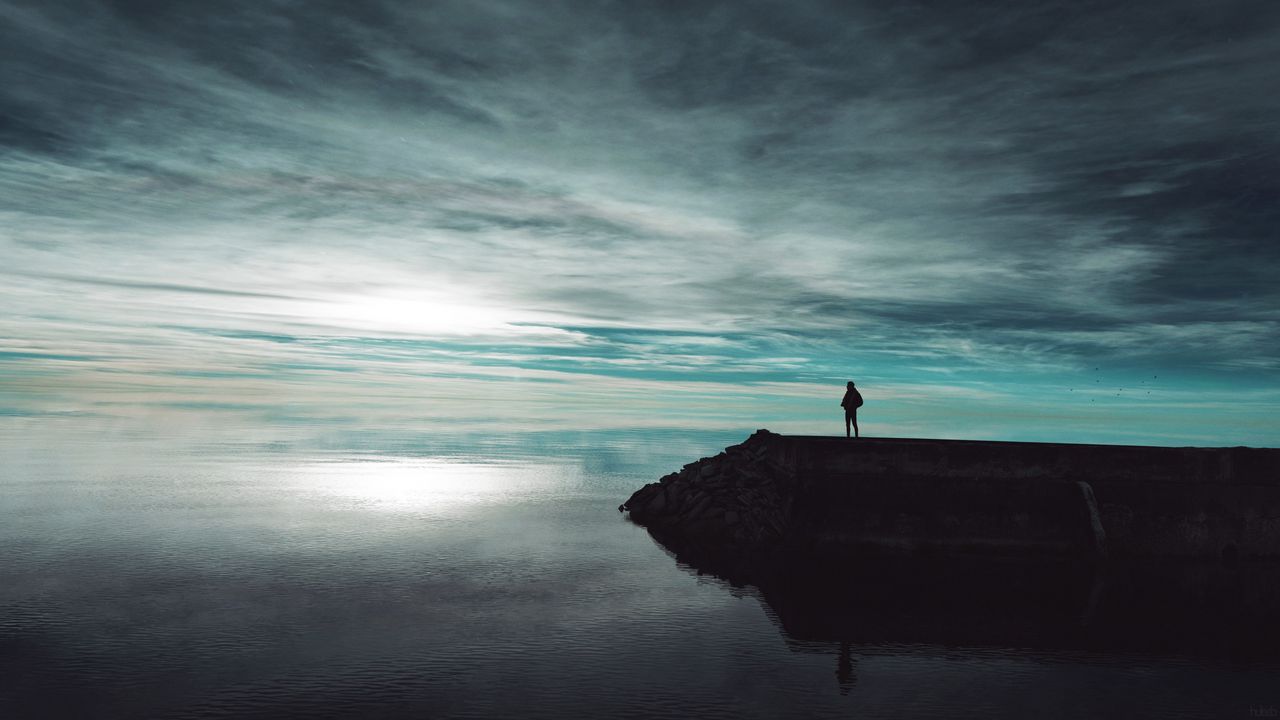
736,502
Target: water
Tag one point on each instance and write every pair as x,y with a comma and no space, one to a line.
456,577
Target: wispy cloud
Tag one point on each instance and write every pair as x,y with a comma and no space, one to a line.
751,194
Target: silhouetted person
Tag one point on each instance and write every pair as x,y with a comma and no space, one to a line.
851,402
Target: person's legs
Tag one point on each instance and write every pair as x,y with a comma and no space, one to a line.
846,423
855,423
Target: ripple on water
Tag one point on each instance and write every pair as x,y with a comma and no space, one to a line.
287,588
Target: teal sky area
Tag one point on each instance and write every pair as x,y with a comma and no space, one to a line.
1049,221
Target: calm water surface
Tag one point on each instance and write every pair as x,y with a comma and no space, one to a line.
443,578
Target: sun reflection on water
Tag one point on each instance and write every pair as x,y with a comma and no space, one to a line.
429,483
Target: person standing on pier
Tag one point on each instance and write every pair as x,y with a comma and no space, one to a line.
851,402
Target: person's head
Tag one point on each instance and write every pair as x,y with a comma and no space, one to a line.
850,385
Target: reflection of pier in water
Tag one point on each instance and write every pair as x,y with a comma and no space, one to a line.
1203,609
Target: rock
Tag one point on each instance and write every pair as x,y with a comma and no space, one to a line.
726,506
698,509
657,504
641,498
675,491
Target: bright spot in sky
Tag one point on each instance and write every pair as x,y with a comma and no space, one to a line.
420,314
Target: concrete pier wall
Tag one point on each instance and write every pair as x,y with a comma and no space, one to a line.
917,515
1155,501
823,496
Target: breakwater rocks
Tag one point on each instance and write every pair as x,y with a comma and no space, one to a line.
777,498
734,505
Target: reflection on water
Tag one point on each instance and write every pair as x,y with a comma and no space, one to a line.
1051,609
400,483
154,579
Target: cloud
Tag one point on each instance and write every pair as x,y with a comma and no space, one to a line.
746,190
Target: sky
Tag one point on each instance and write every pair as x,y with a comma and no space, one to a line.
1005,220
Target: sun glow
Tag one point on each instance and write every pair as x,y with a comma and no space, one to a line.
421,314
443,315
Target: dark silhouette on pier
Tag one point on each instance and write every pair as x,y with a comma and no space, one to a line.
851,402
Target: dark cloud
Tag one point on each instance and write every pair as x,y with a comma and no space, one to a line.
163,287
1043,182
22,128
